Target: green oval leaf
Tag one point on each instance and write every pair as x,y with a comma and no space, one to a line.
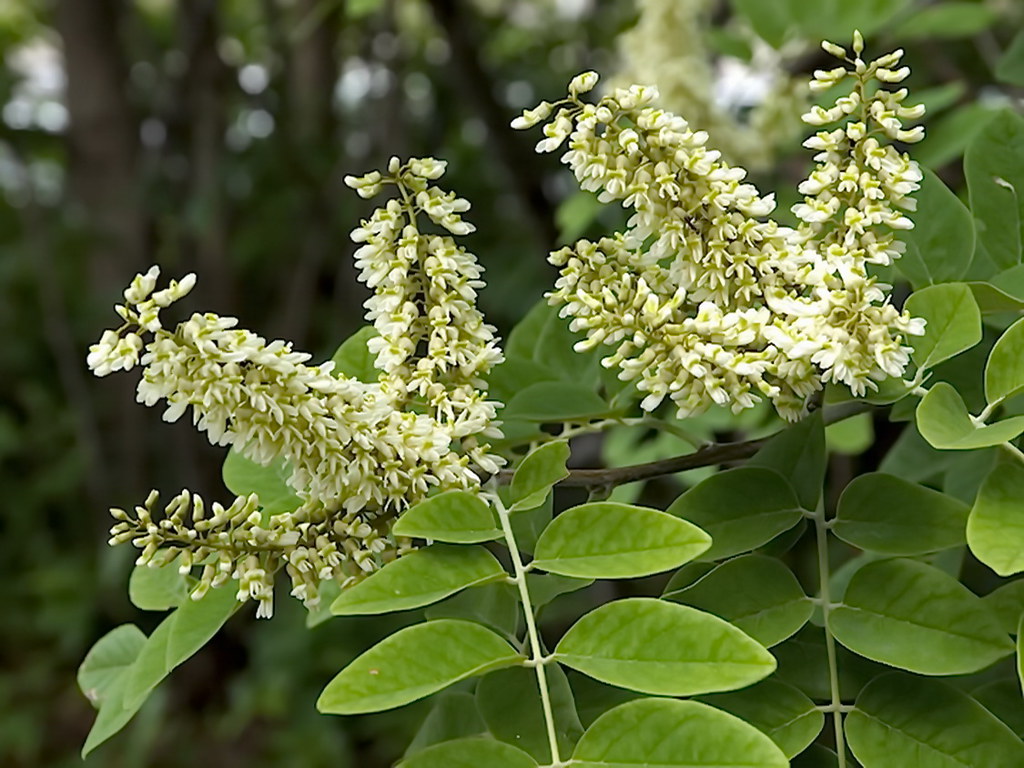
1007,601
943,420
157,589
941,244
953,322
608,540
109,657
510,704
556,401
994,170
453,715
915,617
1004,370
458,517
741,509
354,359
995,529
398,669
538,472
419,578
778,710
663,733
799,454
662,648
243,476
469,753
912,722
757,594
883,513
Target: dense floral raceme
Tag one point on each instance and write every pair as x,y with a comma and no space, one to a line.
703,298
355,453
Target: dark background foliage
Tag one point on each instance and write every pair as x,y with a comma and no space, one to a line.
213,137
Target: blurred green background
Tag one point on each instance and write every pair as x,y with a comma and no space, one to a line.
213,137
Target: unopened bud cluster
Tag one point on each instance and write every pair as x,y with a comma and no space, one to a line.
705,300
356,453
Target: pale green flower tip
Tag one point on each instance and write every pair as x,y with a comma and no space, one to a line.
836,50
583,83
858,42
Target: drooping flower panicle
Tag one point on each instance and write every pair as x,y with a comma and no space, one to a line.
703,299
357,454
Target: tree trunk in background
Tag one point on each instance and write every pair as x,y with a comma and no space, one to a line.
103,191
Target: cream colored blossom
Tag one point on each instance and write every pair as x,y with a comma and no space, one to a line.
357,454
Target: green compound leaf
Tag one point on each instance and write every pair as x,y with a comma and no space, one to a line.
353,357
740,508
469,753
664,733
493,605
243,476
1004,371
177,637
419,578
415,662
1011,66
545,587
458,517
882,513
916,617
778,710
941,244
556,401
157,589
538,472
757,594
943,420
993,300
994,169
107,660
454,715
608,540
995,530
954,322
912,722
662,648
800,456
509,701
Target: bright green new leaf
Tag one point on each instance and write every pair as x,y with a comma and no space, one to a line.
454,715
556,401
664,733
1004,371
741,509
662,648
469,753
419,578
953,322
177,638
943,420
882,513
109,657
510,704
915,617
608,540
800,456
458,517
415,662
994,169
995,530
757,594
778,710
538,472
157,589
243,476
1010,68
912,722
353,357
941,244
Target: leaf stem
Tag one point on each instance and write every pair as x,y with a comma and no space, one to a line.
836,707
538,658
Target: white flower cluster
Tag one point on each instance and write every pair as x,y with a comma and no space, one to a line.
234,543
703,299
358,453
751,109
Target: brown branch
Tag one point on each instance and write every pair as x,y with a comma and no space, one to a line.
705,456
